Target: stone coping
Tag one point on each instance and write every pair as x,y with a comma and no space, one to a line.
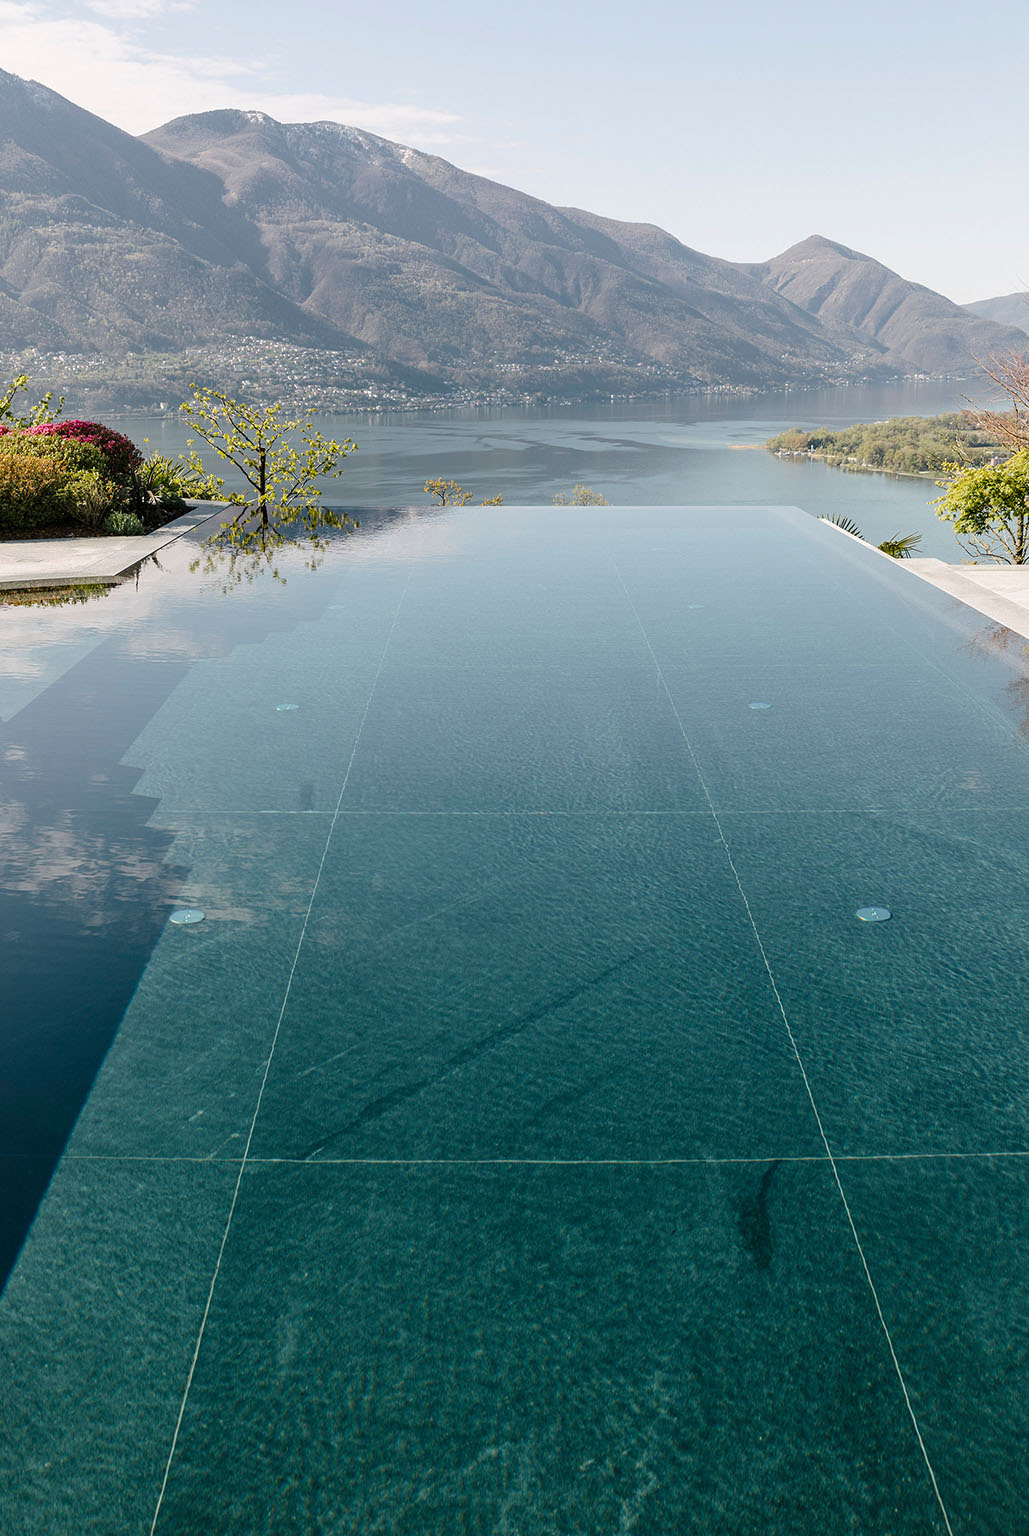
61,562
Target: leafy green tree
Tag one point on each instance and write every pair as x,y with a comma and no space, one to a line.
281,462
989,508
580,496
447,493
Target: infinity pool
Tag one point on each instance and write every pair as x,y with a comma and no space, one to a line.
530,1138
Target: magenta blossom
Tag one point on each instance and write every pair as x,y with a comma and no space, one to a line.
121,453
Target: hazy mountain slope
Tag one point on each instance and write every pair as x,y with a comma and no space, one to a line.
432,264
229,225
1011,309
105,243
917,328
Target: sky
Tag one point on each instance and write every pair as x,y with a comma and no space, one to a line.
893,128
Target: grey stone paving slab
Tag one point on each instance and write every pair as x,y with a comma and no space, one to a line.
45,562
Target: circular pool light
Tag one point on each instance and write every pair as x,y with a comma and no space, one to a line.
873,914
759,705
187,915
282,708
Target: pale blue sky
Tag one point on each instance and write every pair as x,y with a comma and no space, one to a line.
896,128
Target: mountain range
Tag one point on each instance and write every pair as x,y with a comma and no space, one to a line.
1009,309
228,228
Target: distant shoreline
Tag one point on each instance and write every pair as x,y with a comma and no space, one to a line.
856,469
437,405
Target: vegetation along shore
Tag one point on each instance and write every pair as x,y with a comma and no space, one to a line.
983,457
922,446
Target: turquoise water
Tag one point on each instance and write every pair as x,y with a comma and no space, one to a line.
530,1139
705,449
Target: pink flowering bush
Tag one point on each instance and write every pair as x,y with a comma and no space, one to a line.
46,479
84,474
122,455
56,474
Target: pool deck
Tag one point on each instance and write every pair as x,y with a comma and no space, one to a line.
57,562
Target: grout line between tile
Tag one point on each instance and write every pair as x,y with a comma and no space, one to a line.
537,1162
807,1085
911,808
264,1077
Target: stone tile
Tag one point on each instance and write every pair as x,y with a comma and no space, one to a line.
97,1330
545,1351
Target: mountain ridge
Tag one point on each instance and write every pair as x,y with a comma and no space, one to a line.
1011,309
845,287
226,226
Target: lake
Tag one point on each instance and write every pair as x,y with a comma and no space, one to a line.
702,450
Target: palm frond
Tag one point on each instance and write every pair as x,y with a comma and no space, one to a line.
901,545
841,520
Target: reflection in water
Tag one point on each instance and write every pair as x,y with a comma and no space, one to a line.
86,877
250,543
998,640
54,597
84,891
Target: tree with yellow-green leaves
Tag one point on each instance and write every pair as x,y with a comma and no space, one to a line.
281,462
447,493
43,411
580,496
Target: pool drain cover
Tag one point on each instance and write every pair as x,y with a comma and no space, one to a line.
873,914
187,915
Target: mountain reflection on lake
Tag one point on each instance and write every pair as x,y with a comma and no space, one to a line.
698,451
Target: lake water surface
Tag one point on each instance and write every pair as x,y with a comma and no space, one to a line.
702,450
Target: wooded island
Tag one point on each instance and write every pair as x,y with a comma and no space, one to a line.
903,445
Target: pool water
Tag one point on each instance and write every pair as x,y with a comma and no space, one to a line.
530,1138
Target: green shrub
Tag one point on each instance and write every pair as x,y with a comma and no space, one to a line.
122,522
173,479
50,479
160,485
59,450
30,492
89,496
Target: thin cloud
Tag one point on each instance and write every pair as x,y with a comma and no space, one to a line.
138,10
101,68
